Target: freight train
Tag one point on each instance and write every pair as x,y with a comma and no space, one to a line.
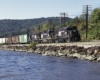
65,34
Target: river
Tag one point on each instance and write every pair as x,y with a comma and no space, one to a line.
29,66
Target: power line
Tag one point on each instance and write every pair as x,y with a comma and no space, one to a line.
86,10
63,19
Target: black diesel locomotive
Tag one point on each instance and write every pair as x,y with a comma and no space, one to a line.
65,34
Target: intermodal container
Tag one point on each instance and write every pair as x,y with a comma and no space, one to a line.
23,38
2,40
9,40
15,39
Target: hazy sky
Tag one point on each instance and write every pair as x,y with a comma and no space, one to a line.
29,9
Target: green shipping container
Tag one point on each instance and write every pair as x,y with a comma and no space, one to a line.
23,38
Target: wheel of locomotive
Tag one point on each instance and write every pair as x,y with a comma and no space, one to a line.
53,41
68,40
65,40
41,41
49,41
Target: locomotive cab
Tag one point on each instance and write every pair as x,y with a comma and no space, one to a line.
35,37
67,34
47,36
61,35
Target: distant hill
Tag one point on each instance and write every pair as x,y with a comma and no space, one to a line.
11,27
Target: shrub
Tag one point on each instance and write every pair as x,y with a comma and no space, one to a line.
32,45
0,44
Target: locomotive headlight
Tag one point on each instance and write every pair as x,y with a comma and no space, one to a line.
65,32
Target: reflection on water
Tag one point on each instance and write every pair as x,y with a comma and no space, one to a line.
29,66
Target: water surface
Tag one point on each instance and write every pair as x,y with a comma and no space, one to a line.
29,66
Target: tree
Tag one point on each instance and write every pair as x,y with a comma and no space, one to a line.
94,24
95,16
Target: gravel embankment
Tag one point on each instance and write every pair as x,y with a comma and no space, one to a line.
81,50
84,44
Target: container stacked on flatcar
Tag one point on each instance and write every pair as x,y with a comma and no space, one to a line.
23,38
12,40
9,40
15,39
2,40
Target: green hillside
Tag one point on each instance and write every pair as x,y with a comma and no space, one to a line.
10,27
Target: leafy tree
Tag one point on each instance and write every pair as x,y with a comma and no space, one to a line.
94,24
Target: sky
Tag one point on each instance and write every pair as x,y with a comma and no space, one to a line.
30,9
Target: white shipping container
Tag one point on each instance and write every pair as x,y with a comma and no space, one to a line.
2,40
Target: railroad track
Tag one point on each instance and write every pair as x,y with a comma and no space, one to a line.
84,44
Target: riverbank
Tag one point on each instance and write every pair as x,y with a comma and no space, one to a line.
80,50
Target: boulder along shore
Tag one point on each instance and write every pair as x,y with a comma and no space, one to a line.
87,51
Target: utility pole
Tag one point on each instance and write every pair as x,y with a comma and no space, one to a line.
39,30
63,19
86,9
50,24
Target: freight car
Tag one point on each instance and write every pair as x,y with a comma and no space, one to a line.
8,40
15,39
2,40
12,39
23,38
